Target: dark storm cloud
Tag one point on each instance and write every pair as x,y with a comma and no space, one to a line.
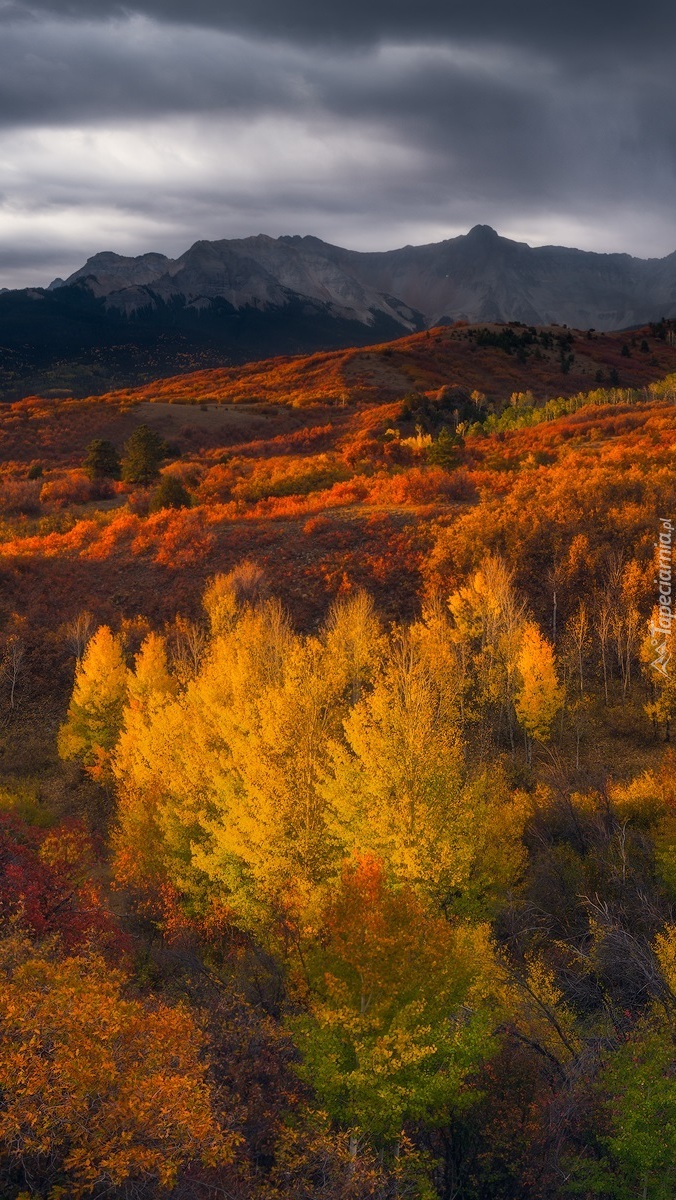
580,25
61,72
146,125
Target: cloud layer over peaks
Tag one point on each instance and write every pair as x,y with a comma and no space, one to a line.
371,125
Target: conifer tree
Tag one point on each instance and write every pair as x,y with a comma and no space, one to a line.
102,460
143,454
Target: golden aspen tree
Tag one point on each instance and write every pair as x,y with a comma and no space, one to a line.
433,639
539,696
399,789
396,788
226,595
150,678
354,643
220,603
270,845
150,688
94,716
488,618
230,769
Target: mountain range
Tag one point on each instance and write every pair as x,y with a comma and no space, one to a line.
477,277
121,320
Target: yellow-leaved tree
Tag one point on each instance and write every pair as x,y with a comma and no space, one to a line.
269,843
354,644
395,787
285,754
230,767
539,695
488,619
94,719
150,688
400,1008
399,788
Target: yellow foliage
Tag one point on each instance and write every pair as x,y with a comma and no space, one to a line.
150,688
95,711
283,755
395,788
535,1008
488,620
540,696
665,949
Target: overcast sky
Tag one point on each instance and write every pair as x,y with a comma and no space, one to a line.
369,123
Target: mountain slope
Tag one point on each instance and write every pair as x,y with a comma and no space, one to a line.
479,277
120,321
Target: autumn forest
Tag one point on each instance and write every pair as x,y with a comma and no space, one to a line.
338,802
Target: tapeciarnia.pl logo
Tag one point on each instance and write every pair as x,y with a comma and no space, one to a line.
660,628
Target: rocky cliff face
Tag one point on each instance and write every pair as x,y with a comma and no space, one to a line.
257,272
479,276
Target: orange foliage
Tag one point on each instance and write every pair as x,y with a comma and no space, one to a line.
100,1090
73,487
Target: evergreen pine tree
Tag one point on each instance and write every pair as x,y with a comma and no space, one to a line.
102,460
143,453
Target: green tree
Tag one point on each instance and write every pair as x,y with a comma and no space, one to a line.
170,493
446,450
399,1010
143,454
102,460
637,1158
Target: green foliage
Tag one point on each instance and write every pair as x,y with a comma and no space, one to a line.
143,453
22,800
524,412
638,1154
102,460
446,451
387,1039
508,340
170,493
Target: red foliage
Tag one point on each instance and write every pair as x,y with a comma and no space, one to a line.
47,883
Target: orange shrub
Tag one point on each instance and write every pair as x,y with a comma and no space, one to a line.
74,487
289,477
176,538
20,496
420,485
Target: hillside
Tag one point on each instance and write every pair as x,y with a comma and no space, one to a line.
329,733
343,437
120,321
496,360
